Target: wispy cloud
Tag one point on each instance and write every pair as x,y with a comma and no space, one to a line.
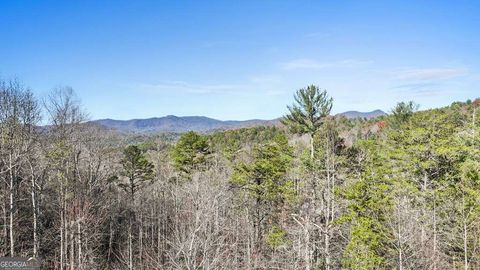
420,89
430,73
305,63
181,86
426,81
423,93
301,64
255,86
416,86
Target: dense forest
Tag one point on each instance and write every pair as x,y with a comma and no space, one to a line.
400,191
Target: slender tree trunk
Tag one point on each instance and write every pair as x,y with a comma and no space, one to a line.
423,212
425,251
79,244
465,246
130,246
329,202
63,249
34,211
110,241
312,147
159,236
307,245
327,230
131,220
400,251
327,251
72,245
5,221
140,242
11,190
465,234
152,226
61,237
249,241
434,233
332,211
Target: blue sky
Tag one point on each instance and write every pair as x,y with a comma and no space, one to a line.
242,59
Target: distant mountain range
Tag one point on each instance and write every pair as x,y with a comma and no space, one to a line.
368,115
176,124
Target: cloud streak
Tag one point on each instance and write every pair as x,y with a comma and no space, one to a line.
416,86
430,73
420,89
306,63
185,87
256,86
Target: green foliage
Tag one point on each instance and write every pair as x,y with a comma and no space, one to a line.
428,156
370,203
311,106
328,143
190,153
266,177
136,169
231,142
470,185
59,152
276,237
362,252
402,112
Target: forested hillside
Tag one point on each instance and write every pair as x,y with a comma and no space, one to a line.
400,191
177,124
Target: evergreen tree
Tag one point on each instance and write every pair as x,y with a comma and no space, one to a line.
191,153
370,203
307,114
137,170
265,181
403,111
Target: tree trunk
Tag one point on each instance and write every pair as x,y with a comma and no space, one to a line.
61,237
130,248
11,191
307,246
140,242
249,241
72,245
329,204
34,211
312,148
159,236
5,227
62,225
110,242
400,252
465,234
434,233
79,244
